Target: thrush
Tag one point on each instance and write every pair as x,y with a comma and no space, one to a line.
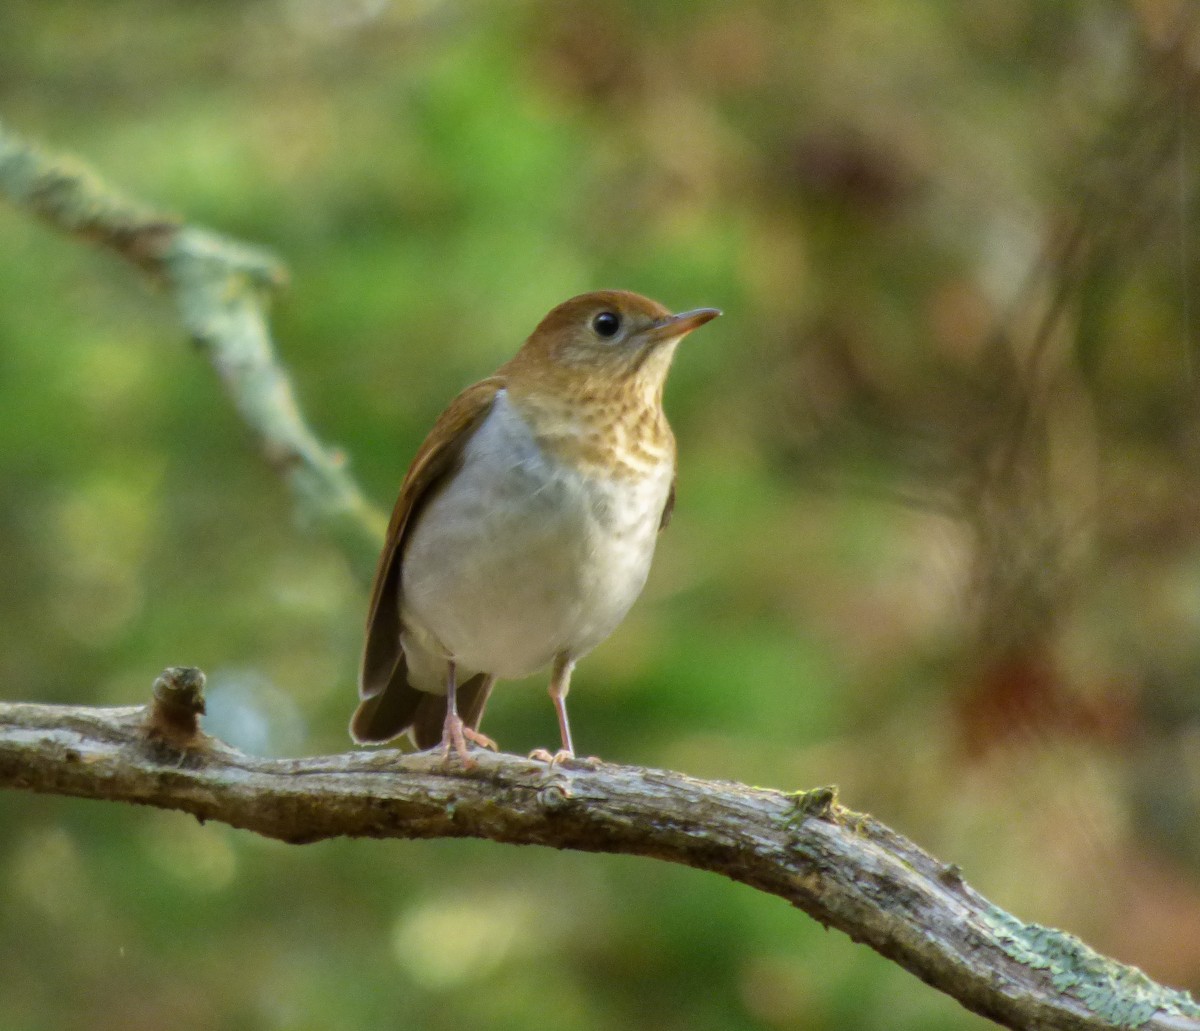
526,524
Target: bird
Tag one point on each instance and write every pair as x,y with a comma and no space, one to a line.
525,525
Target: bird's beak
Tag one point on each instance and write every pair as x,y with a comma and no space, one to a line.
674,326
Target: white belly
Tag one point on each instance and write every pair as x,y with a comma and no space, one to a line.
520,558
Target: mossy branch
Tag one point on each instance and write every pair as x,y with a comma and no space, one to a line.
222,290
843,868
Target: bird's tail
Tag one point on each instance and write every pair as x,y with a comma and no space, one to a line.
400,707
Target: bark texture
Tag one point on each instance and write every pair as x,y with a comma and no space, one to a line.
843,868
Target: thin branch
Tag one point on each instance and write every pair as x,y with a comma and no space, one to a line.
222,289
845,869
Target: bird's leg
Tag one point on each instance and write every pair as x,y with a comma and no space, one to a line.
560,684
452,729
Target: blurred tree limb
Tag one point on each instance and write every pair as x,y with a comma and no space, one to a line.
845,869
222,290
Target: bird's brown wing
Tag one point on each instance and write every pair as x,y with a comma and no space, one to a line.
669,508
437,458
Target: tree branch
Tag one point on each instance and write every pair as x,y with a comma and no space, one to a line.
843,868
222,289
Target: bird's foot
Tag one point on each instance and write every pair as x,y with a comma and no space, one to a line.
564,758
454,736
557,759
476,738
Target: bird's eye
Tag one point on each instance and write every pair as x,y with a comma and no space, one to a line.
606,324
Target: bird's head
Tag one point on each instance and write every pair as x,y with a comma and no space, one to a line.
606,342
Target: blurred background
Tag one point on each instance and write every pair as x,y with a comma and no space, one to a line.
937,536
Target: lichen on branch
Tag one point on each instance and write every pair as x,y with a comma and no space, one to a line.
843,868
222,290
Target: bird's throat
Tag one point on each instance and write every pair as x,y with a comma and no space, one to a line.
622,434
